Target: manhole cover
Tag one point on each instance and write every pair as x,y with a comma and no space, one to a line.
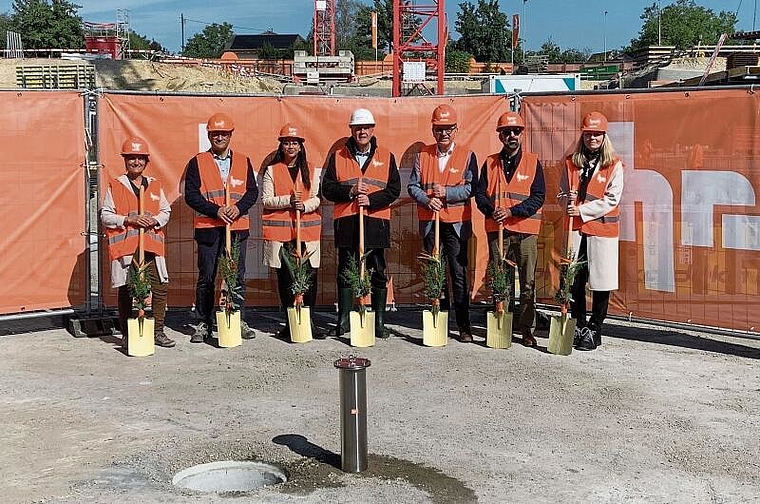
229,476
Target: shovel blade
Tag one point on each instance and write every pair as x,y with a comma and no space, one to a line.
561,332
435,328
140,337
362,329
299,324
229,329
499,330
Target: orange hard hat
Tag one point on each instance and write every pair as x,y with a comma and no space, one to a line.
290,130
594,121
510,120
134,146
220,122
444,115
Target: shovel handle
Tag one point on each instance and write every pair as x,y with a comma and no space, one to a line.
227,228
141,241
437,245
361,239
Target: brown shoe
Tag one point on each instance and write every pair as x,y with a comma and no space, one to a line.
163,340
465,336
528,340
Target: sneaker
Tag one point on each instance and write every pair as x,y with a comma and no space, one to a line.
587,340
577,336
163,340
245,331
201,333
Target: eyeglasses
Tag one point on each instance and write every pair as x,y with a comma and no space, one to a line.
511,131
448,130
289,142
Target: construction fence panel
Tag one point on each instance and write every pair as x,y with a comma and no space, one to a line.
175,129
44,209
690,223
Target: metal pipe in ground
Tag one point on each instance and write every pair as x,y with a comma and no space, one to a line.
353,413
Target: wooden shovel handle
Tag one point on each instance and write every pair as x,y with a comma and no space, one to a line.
227,228
141,241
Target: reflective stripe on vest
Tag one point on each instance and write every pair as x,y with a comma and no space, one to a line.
453,175
124,241
280,224
513,193
348,173
212,188
608,224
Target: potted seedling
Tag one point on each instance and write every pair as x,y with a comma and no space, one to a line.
435,323
499,321
140,330
299,316
562,328
228,317
362,321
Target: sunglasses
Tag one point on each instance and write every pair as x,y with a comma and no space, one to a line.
511,131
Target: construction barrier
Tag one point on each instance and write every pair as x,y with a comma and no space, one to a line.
43,182
690,226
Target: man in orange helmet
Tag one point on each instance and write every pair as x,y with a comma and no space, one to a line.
510,194
120,214
206,177
441,181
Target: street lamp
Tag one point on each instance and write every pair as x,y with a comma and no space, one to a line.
524,24
659,24
605,36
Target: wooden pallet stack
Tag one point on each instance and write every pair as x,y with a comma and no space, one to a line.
55,76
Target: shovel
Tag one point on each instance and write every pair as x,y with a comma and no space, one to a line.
362,322
499,322
562,328
299,316
140,330
228,321
435,327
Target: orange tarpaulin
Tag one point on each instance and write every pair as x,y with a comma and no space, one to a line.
43,202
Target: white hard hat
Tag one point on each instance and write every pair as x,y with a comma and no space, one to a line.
361,116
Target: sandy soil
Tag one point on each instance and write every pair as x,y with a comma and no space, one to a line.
654,415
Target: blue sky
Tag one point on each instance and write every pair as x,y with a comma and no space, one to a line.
569,23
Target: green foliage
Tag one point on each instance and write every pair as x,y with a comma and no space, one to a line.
557,55
209,43
499,279
683,24
268,52
298,267
139,42
5,25
567,273
138,284
228,266
360,285
44,24
457,61
434,276
485,31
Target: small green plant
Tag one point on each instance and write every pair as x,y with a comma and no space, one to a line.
228,265
499,281
138,284
569,268
434,278
300,274
360,284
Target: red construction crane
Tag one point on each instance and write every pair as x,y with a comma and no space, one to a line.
324,27
410,19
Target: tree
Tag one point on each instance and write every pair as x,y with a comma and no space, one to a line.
210,42
48,25
485,31
684,24
6,23
139,42
557,55
457,61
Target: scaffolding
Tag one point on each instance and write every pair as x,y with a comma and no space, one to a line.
122,32
411,47
324,27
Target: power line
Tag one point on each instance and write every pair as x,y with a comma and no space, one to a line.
234,26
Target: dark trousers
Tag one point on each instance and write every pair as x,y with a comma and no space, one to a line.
522,249
600,300
158,300
375,262
210,249
455,250
284,281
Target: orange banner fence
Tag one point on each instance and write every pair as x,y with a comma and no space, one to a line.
690,234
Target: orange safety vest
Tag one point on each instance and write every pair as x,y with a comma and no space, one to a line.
280,224
512,193
124,242
453,174
212,188
348,172
607,225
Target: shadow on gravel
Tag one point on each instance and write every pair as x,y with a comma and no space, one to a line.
302,446
676,339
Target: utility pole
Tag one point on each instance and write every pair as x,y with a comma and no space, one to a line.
523,25
182,29
605,36
659,24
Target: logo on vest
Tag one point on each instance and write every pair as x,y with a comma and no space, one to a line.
454,170
601,178
154,197
521,177
235,182
377,163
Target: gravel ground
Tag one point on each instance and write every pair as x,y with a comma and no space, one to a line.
654,415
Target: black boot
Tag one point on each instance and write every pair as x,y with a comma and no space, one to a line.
345,300
379,297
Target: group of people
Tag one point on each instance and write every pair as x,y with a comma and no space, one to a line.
509,189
